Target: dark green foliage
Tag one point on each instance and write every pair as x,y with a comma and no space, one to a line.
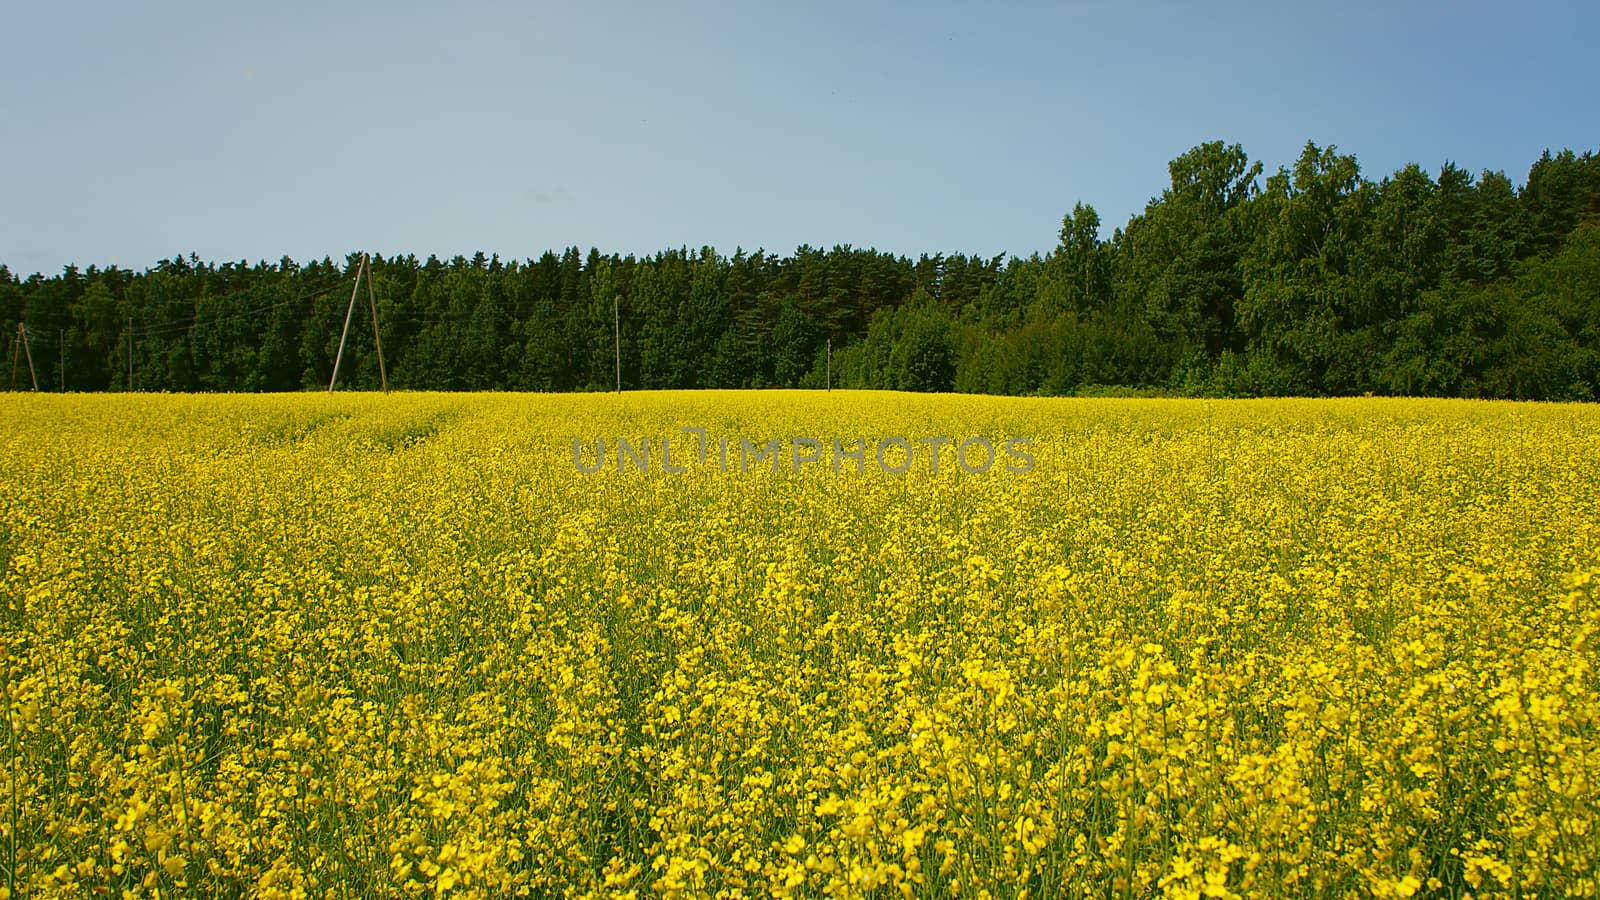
795,341
1313,280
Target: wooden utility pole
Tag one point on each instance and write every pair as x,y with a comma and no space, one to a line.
28,349
63,367
372,298
355,291
339,357
828,383
616,323
130,354
22,338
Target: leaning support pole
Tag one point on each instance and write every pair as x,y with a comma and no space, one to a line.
372,298
22,332
339,357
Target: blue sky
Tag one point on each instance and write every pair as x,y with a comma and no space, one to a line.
133,132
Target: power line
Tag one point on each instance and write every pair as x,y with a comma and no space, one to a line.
179,325
182,324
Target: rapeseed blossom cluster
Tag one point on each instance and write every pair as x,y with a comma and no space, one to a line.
365,646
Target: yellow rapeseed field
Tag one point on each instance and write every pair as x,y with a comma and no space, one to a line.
401,646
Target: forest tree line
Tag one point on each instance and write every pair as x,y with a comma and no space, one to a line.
1313,280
